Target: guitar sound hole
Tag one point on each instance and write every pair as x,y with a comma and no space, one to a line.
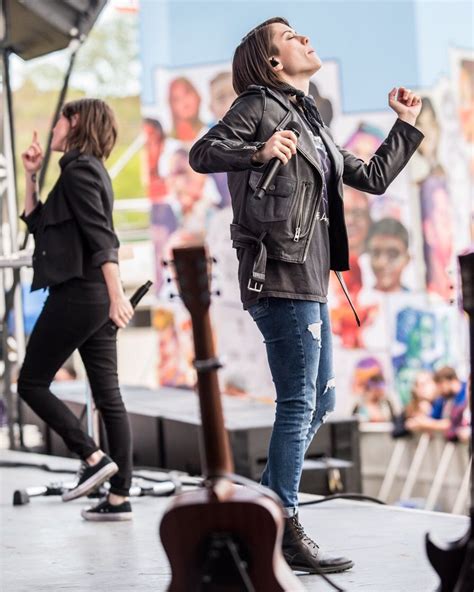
225,561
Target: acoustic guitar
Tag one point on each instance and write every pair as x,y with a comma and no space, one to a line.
454,561
225,536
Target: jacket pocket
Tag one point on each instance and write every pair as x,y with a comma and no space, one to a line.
60,246
275,205
56,211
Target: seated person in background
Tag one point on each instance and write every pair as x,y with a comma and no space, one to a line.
373,404
460,418
423,392
451,396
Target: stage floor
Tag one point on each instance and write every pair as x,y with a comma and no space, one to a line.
47,547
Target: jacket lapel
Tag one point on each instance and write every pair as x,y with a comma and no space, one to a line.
334,154
306,143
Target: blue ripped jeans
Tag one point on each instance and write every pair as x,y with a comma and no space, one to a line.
297,335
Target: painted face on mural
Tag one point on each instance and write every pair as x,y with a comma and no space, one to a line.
222,94
375,388
364,145
357,215
429,126
185,184
184,100
466,99
388,258
295,54
438,228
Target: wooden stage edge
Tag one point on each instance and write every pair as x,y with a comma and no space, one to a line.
47,547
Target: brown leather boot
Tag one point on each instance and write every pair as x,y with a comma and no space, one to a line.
303,554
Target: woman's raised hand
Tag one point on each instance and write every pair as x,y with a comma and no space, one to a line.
406,104
33,156
281,145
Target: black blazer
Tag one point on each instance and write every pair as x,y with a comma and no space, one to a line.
73,229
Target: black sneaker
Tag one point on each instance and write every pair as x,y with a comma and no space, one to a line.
303,554
88,478
107,512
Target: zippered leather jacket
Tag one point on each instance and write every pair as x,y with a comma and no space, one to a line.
281,224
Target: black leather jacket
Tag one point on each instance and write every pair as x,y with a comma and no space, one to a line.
282,223
73,229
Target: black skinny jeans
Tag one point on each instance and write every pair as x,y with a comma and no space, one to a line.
74,317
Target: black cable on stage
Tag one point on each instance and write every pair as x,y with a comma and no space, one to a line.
235,478
349,496
173,475
6,464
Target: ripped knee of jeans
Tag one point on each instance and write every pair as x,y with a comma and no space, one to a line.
330,404
315,330
327,413
330,384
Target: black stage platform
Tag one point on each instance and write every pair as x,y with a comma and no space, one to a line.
47,547
166,433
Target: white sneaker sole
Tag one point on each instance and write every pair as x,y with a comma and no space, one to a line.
97,517
91,483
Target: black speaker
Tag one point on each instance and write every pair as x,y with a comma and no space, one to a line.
147,440
345,438
327,476
32,28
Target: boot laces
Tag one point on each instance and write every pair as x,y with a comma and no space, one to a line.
301,533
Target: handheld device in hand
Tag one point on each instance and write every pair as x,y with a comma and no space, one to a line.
134,300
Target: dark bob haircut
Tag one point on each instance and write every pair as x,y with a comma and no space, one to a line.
96,129
251,62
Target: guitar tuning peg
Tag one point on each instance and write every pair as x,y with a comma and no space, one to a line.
169,280
216,293
212,259
173,295
167,262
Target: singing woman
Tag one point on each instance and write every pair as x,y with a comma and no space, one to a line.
288,241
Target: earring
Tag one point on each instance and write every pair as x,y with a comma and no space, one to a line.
274,62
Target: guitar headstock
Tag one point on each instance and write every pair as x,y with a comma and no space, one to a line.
192,266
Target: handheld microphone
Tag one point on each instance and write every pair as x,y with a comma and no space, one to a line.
134,300
274,165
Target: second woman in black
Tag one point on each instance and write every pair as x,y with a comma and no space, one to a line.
76,257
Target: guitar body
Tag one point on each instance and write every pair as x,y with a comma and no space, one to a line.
255,525
449,562
222,538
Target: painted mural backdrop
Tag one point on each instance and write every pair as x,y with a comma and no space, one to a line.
403,277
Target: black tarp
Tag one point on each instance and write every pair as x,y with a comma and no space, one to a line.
32,28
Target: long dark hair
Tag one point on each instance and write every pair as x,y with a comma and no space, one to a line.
251,62
96,131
